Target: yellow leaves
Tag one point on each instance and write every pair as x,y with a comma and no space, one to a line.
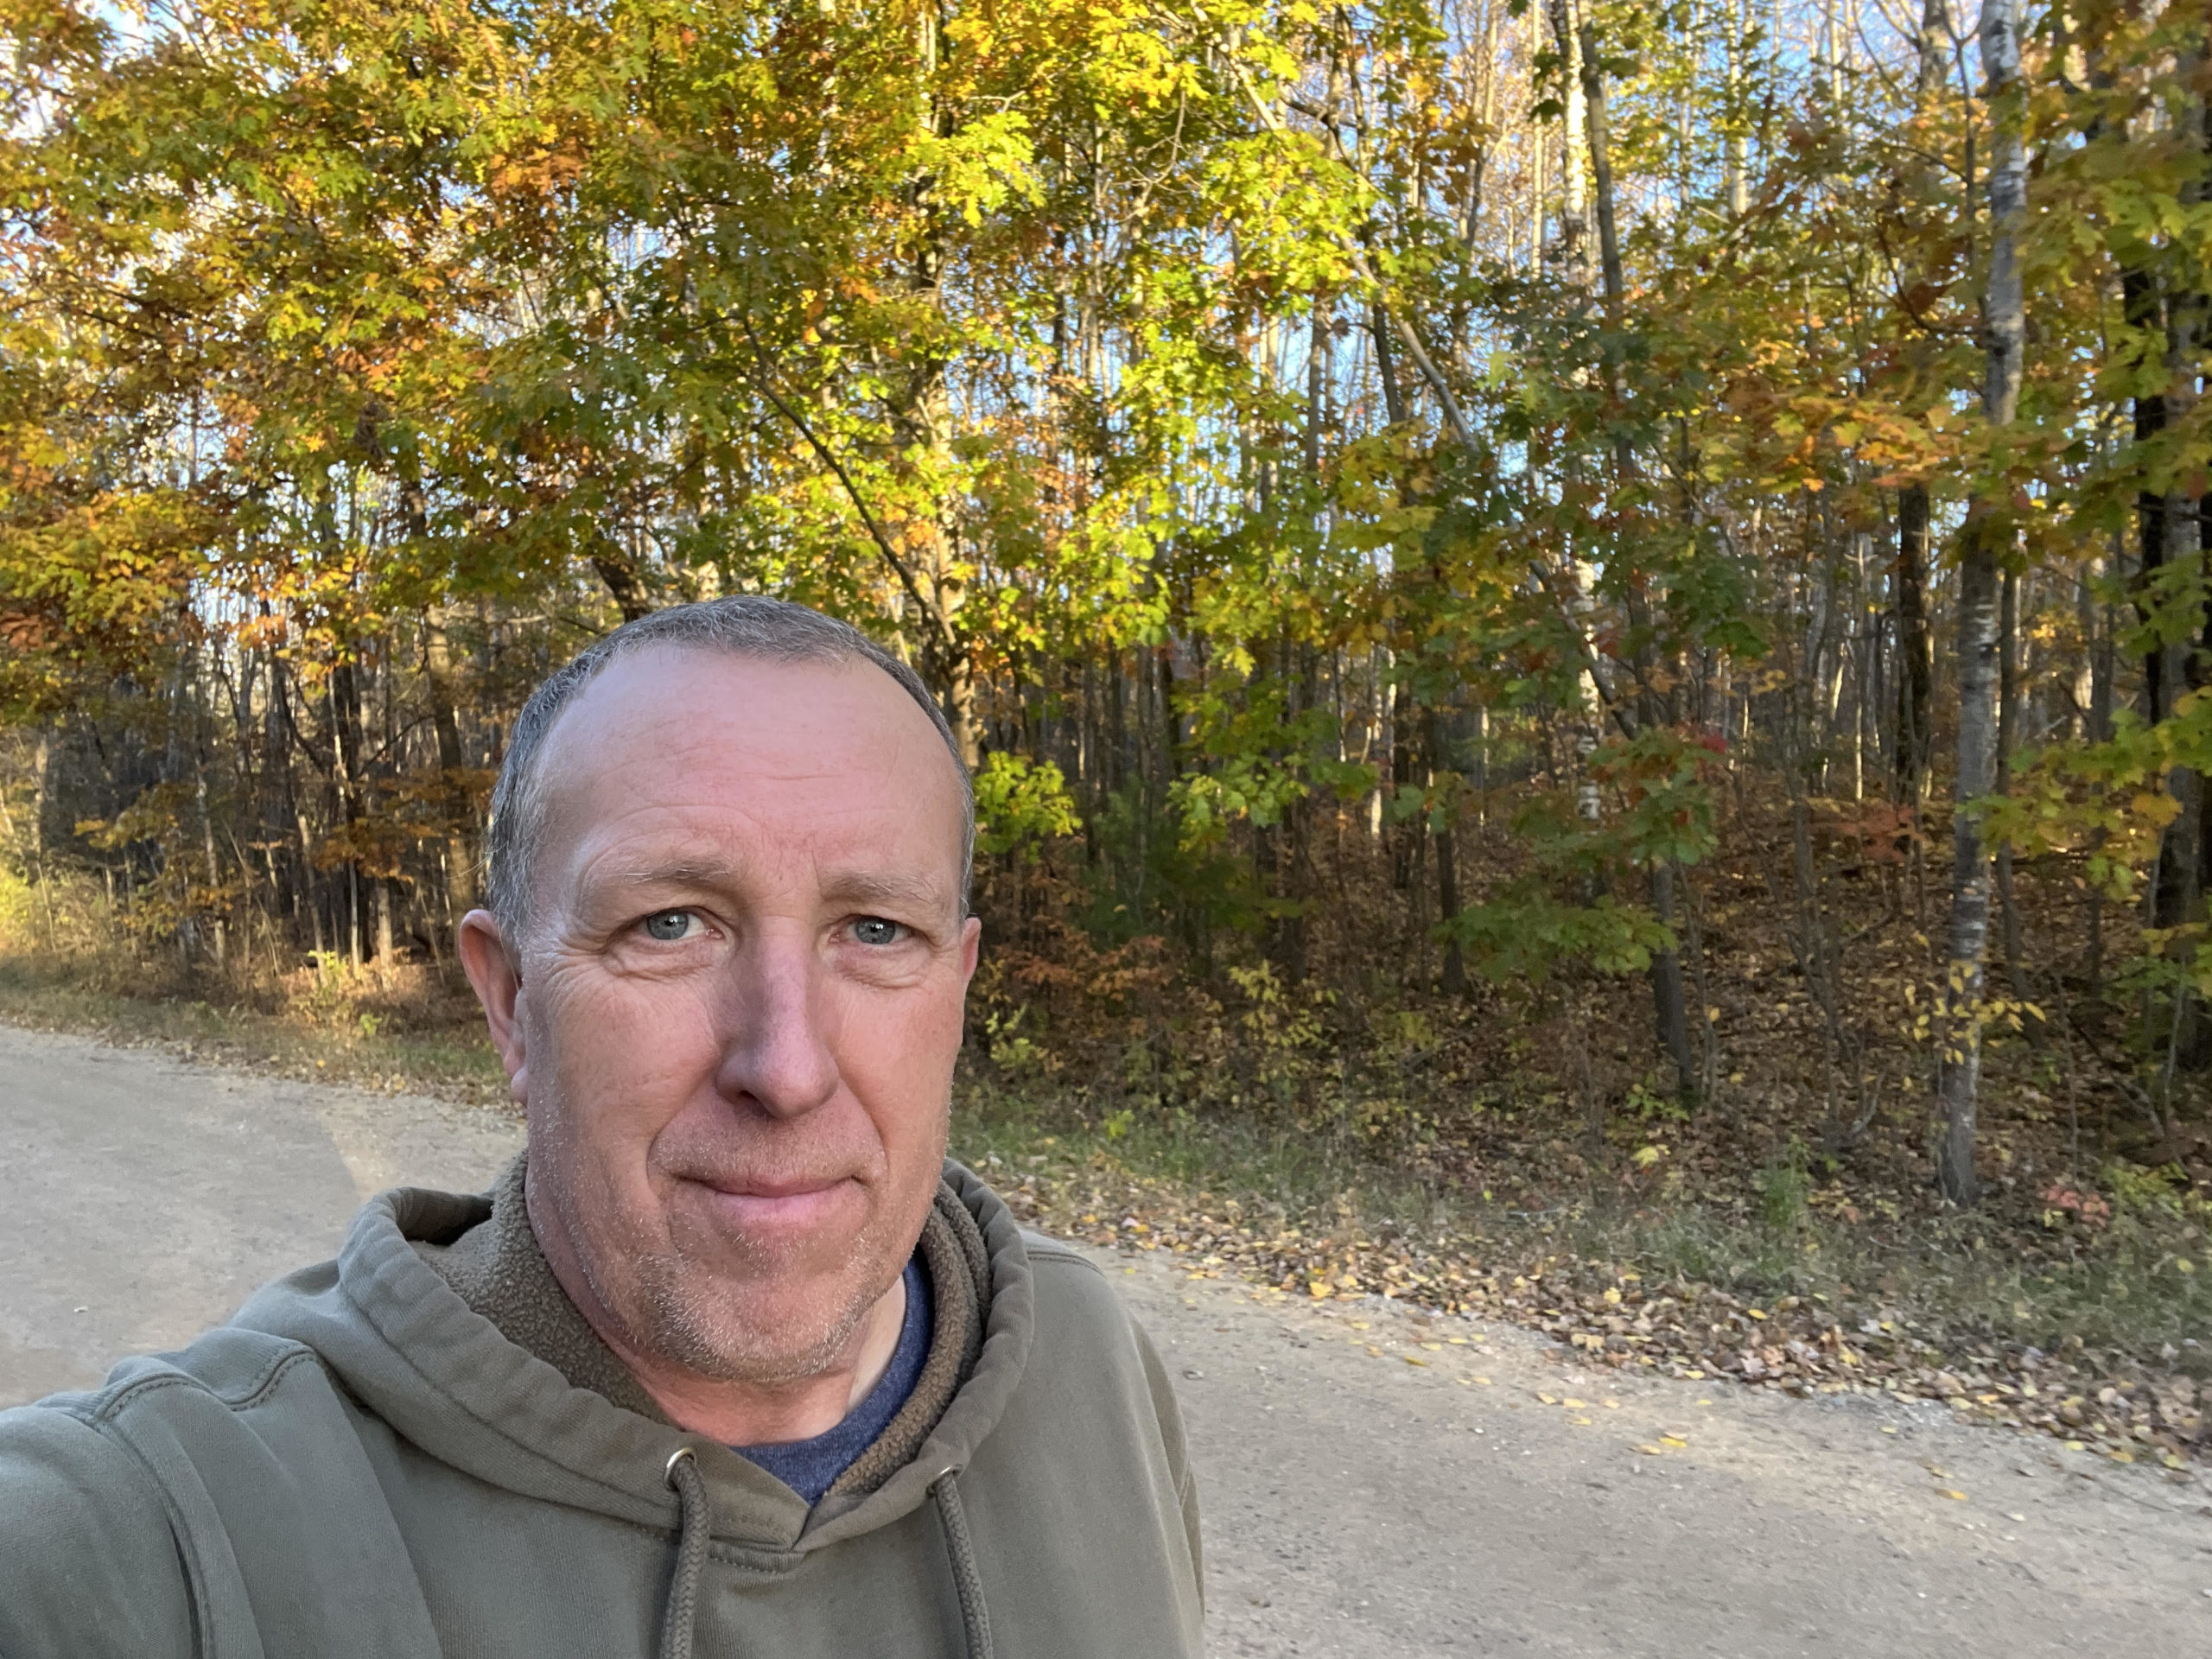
2155,807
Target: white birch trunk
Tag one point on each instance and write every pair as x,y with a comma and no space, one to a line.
2005,326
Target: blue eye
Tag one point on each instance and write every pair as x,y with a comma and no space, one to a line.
874,929
668,926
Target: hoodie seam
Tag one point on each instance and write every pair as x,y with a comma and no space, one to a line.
182,1535
1064,1256
110,1406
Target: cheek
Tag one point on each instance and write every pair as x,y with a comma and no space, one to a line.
626,1053
895,1052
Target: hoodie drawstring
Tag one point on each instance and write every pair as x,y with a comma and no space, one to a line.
975,1617
693,1532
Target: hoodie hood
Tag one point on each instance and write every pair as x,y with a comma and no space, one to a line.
404,1343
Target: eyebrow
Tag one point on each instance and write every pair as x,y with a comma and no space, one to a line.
849,886
684,873
861,886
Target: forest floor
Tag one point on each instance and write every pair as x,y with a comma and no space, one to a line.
1376,1479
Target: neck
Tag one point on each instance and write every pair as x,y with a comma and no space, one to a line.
738,1413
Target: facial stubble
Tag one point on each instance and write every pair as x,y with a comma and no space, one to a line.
693,1295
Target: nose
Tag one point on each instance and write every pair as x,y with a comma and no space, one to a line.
779,1055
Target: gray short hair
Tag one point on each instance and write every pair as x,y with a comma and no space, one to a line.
742,624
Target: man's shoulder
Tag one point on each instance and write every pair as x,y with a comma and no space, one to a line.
121,1446
94,1529
1043,1248
1069,1280
1080,1315
171,1503
88,1560
230,1368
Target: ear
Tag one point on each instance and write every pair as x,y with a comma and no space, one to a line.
497,982
971,949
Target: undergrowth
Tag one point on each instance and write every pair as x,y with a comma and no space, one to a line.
2135,1288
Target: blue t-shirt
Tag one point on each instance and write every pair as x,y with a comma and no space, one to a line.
810,1467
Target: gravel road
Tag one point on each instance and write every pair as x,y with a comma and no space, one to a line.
1373,1482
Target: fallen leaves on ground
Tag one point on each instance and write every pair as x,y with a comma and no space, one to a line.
1612,1318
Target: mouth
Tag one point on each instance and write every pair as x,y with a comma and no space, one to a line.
759,1205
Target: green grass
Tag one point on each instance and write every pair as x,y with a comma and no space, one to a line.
1267,1169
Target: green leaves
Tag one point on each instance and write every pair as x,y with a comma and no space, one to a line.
1525,934
1020,803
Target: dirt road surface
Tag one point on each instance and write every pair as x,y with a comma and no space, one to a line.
1366,1493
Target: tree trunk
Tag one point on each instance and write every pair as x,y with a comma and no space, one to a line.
1916,648
1669,1005
1987,538
1670,1011
346,729
2008,735
1574,210
1735,160
1454,980
457,809
624,585
1916,655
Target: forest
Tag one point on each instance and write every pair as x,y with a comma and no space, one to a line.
1574,601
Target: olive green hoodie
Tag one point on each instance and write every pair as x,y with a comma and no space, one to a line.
363,1463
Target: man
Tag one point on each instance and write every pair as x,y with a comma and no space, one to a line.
732,1361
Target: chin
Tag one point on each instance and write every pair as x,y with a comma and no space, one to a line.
776,1327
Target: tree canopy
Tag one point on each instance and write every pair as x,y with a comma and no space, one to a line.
1390,499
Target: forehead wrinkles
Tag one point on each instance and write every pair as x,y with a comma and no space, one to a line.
640,793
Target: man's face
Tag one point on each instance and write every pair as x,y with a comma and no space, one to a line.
739,1000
